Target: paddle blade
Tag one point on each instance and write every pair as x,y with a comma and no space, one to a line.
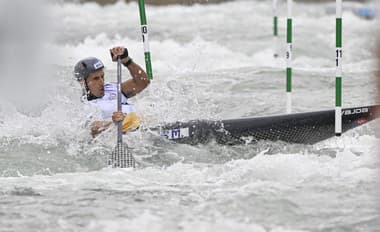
121,157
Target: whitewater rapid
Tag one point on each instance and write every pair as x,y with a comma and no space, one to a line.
209,62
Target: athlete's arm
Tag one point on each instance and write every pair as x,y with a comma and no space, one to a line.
98,127
139,80
137,83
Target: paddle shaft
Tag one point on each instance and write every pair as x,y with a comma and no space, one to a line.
121,157
119,124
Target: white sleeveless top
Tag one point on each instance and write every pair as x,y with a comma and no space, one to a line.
108,103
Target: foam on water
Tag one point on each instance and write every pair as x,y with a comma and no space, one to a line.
237,194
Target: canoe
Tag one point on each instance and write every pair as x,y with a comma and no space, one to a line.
301,128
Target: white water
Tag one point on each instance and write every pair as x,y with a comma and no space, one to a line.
212,62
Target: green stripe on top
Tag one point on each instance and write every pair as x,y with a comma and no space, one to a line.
338,95
288,80
289,31
142,12
339,32
148,65
275,28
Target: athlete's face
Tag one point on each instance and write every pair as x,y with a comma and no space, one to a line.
95,82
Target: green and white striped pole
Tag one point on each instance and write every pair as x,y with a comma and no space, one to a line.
289,59
275,28
144,31
338,76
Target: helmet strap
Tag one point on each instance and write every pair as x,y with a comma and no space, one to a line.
83,85
86,92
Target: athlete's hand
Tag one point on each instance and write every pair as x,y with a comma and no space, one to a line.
118,116
119,51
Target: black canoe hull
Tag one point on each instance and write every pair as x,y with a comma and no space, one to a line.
302,128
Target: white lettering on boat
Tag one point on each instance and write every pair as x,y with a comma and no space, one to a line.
355,111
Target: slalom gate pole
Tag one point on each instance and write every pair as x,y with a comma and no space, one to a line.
338,76
289,58
144,31
275,28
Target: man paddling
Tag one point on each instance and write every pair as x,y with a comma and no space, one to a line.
89,72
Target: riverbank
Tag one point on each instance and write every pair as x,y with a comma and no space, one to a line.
189,2
160,2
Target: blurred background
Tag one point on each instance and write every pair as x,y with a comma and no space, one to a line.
187,2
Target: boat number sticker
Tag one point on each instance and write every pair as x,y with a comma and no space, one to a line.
176,133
